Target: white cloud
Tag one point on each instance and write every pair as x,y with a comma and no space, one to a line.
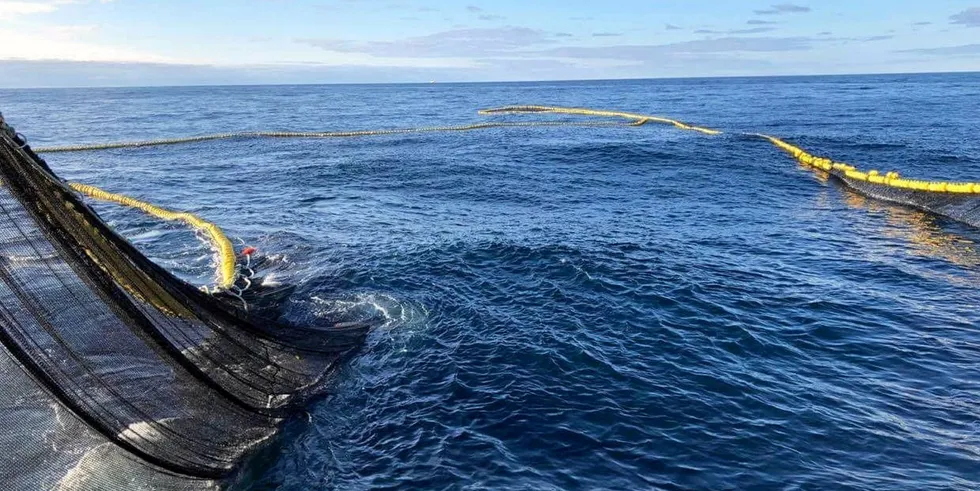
64,42
968,17
26,36
458,43
9,10
12,9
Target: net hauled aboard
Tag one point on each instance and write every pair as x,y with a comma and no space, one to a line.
114,373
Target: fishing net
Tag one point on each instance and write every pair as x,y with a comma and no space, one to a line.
957,200
115,374
958,206
118,375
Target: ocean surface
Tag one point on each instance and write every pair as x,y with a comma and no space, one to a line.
585,308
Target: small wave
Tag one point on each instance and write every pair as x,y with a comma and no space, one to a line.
392,312
871,146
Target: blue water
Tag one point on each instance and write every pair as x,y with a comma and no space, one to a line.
586,308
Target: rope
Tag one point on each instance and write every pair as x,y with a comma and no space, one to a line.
891,179
593,112
639,120
227,269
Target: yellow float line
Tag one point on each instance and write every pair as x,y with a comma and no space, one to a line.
227,269
891,179
639,120
593,112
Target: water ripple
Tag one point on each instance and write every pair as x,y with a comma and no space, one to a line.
587,308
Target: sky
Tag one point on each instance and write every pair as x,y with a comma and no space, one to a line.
71,43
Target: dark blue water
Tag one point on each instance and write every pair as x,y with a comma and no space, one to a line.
586,308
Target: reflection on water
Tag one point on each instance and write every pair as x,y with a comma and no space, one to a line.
920,229
923,231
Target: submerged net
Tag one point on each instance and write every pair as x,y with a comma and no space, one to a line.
116,374
957,200
961,207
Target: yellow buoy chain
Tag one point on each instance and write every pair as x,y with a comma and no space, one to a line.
891,179
593,112
329,134
227,268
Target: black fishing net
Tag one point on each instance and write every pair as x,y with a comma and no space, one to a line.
964,207
114,373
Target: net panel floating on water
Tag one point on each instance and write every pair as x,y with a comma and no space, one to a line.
118,375
957,200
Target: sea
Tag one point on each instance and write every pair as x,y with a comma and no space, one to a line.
583,307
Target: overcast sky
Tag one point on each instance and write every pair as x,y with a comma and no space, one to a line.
46,43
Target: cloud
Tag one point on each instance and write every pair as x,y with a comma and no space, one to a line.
472,42
55,73
963,50
483,51
726,45
24,37
783,8
18,8
968,17
475,55
511,46
753,30
526,68
65,42
483,15
61,73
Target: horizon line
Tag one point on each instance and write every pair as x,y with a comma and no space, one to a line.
476,82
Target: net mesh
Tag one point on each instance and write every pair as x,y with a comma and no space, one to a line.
118,375
961,207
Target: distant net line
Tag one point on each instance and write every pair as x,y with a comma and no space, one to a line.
891,179
327,134
942,197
